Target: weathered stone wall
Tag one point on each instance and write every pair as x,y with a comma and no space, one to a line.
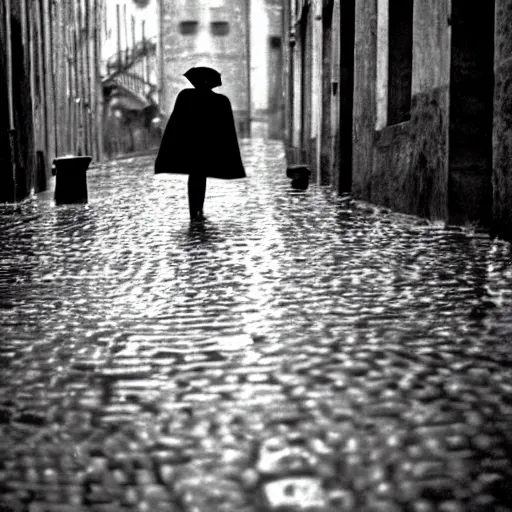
266,69
364,109
390,167
410,160
426,178
226,53
471,113
343,41
6,181
275,60
404,166
16,185
502,133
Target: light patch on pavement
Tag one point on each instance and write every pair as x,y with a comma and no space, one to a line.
298,493
232,343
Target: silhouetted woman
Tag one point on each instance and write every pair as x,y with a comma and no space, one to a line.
200,138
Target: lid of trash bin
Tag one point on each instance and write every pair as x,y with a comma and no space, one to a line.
76,157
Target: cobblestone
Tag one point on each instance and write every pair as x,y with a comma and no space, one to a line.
296,351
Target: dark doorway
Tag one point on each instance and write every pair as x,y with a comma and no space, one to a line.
400,61
326,169
345,96
471,110
306,84
16,141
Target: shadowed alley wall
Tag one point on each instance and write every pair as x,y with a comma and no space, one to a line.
502,131
318,87
402,165
427,137
15,183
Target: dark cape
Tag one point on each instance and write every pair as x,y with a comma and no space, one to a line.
200,137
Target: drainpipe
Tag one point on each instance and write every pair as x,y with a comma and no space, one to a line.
162,86
296,82
248,64
118,34
13,147
9,63
289,28
317,83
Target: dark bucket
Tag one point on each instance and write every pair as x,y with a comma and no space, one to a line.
299,174
71,179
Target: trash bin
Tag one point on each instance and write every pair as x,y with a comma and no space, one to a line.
71,179
299,174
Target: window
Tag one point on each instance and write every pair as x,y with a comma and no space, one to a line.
400,61
188,27
220,28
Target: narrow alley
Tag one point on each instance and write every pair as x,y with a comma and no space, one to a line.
296,351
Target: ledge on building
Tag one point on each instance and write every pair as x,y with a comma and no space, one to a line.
388,134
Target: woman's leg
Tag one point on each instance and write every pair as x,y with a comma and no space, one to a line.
196,194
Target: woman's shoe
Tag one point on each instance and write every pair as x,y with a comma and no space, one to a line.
198,216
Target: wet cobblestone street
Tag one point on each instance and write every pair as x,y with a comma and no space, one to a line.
296,352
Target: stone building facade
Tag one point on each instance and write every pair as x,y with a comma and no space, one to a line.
502,123
266,59
50,100
312,82
420,104
210,33
432,109
17,158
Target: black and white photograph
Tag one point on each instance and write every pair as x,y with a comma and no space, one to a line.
255,256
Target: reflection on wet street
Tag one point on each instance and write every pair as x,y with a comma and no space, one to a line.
295,350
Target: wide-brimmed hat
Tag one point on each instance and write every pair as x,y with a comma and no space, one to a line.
202,76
